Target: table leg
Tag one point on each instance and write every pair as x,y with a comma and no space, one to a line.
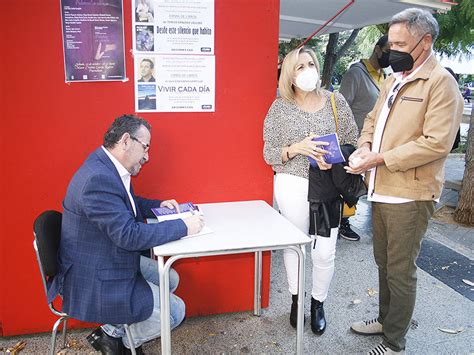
257,298
301,281
164,307
301,252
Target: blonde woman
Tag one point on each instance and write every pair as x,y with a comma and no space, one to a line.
302,113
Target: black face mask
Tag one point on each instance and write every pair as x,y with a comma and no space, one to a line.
384,60
403,61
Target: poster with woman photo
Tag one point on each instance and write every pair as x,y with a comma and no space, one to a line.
144,11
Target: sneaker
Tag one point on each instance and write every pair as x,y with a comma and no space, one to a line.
382,349
346,232
367,327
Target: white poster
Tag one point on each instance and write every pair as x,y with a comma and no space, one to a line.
174,26
173,46
174,83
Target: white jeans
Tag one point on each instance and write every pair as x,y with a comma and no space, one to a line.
291,194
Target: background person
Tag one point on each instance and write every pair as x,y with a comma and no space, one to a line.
360,86
303,112
102,276
404,144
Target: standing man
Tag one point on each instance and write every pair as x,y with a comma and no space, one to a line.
360,86
102,276
146,71
404,144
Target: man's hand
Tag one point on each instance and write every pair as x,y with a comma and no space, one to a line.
362,160
194,223
171,204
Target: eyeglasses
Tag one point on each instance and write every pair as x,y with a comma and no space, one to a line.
392,97
145,146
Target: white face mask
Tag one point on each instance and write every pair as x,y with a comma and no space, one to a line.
307,80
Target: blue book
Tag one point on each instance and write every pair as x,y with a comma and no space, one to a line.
185,210
335,154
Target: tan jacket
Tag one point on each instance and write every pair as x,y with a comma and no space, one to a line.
418,135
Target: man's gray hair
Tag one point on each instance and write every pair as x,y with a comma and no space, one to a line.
419,22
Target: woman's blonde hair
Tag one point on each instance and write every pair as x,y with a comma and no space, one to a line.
285,84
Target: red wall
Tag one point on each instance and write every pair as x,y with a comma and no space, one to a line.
48,128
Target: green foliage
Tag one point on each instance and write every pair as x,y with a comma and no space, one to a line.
456,29
367,38
351,55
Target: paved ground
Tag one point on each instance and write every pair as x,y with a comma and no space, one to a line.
443,304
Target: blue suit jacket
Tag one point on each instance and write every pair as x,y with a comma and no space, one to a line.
101,240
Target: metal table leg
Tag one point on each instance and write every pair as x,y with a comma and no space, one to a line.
164,307
257,299
300,251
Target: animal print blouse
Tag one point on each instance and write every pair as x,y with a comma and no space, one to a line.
286,124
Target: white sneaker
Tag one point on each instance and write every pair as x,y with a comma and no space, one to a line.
382,349
367,327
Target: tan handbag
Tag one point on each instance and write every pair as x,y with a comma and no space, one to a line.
346,210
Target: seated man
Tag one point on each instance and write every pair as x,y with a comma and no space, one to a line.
102,276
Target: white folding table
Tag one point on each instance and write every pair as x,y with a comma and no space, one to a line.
238,227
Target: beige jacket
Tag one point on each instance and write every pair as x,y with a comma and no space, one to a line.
418,135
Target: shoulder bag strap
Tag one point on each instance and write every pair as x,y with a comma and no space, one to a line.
334,111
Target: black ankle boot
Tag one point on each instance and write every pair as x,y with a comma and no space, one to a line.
294,312
318,322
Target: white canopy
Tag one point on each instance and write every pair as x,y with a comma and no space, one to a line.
300,18
459,64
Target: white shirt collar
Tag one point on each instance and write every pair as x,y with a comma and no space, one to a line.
120,168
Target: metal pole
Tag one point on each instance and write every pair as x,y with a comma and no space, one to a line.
257,300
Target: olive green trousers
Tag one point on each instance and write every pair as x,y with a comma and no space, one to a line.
397,233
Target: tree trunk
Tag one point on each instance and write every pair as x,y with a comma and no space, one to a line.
332,55
464,210
329,60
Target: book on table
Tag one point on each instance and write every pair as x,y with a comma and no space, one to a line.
335,155
187,209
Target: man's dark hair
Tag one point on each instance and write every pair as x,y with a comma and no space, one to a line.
123,124
152,65
382,41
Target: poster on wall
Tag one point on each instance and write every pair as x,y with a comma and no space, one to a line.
173,27
174,63
93,40
174,83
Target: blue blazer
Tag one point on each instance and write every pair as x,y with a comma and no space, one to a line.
101,240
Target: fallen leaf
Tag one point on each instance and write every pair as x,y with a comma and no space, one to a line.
15,349
212,334
356,301
467,282
452,331
371,292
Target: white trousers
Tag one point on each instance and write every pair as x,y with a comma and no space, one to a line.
291,194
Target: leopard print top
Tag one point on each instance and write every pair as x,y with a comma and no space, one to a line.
286,124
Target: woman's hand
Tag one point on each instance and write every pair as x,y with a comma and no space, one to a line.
310,148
